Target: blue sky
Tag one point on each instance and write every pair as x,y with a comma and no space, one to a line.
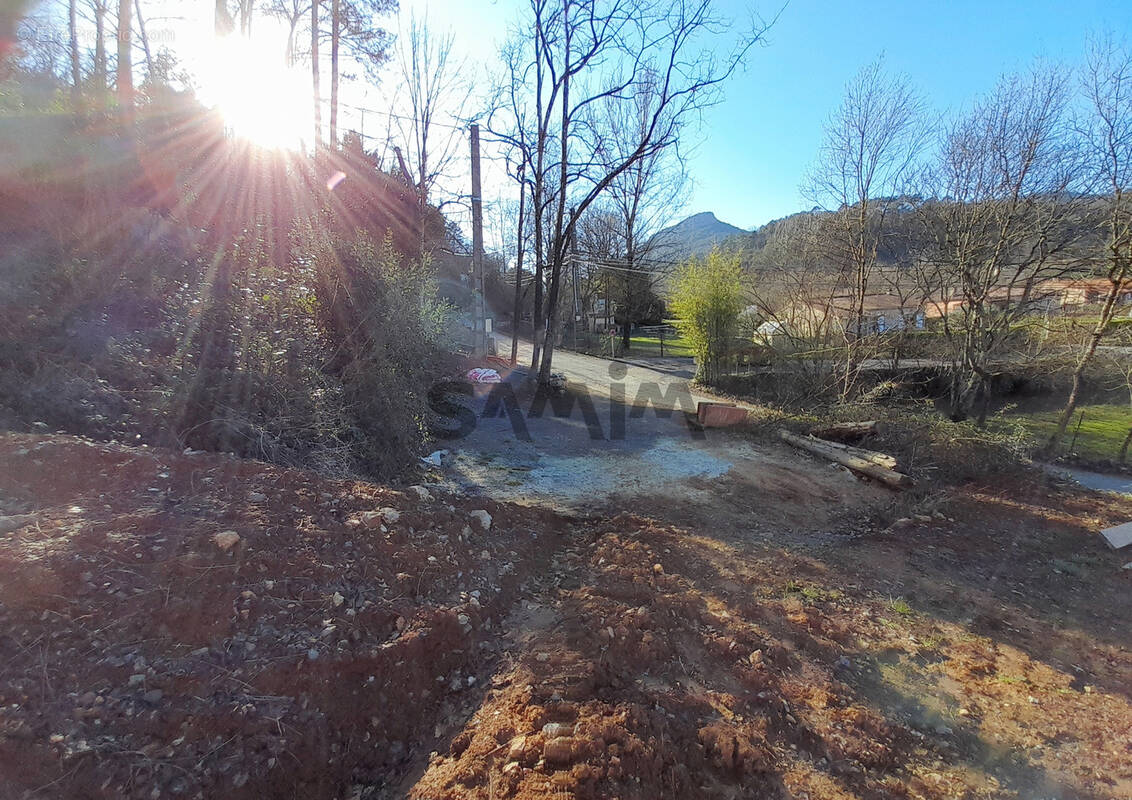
755,146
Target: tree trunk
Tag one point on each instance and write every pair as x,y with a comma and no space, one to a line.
100,69
289,52
1124,446
315,76
560,234
335,21
1108,310
125,65
144,39
222,20
76,64
518,308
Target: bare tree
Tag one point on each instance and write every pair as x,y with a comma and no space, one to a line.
292,12
643,196
335,38
76,56
435,85
1002,219
871,144
99,10
1107,79
144,39
125,85
582,52
315,75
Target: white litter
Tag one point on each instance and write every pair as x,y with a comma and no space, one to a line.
484,375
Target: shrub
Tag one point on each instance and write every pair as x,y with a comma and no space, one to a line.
706,299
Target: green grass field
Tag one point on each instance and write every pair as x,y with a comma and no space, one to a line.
1102,431
647,346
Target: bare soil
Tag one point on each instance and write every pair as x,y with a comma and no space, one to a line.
704,646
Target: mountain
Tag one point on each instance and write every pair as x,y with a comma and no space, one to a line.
694,236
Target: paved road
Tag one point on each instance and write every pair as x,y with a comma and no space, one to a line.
606,437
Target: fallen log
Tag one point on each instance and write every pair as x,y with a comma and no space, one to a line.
846,431
880,459
838,455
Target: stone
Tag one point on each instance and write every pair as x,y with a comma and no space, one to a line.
1118,536
153,696
559,750
482,517
390,515
422,493
371,519
337,599
257,497
226,540
15,522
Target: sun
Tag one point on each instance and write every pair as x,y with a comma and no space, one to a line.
260,99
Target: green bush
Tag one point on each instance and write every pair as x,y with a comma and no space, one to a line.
706,298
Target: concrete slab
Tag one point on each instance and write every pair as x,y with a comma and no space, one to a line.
1119,536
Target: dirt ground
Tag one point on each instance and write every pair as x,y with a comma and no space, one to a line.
364,642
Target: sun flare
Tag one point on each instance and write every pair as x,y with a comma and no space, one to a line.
260,99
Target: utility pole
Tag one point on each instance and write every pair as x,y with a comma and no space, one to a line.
479,322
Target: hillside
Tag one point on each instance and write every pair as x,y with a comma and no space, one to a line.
694,236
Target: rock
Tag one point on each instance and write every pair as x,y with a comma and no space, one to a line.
153,696
559,750
312,654
371,519
903,522
390,515
337,599
226,540
515,751
422,493
554,730
257,497
943,730
923,518
482,517
658,569
15,522
137,679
